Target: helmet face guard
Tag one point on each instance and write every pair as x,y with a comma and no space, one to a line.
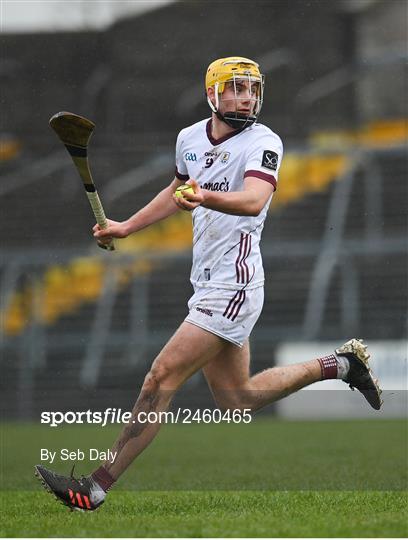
238,72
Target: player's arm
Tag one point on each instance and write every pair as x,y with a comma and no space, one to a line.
161,207
248,202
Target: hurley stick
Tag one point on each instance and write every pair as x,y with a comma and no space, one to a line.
75,131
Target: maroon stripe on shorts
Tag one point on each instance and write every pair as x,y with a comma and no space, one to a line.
234,305
238,306
230,304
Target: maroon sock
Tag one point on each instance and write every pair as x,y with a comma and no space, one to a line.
103,478
328,366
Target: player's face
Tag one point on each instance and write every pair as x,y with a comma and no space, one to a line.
239,96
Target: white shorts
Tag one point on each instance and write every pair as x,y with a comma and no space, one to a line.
227,313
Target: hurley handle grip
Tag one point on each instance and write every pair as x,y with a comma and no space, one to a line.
100,217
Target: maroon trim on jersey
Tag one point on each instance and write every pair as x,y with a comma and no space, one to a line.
182,177
248,251
235,305
241,268
263,176
239,258
215,142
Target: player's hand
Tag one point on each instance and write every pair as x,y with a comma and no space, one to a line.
190,201
115,229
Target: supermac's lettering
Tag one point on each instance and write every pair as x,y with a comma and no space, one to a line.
217,186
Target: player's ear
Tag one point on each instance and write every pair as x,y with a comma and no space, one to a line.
211,94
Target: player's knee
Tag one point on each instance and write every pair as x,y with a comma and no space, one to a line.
157,376
236,408
230,400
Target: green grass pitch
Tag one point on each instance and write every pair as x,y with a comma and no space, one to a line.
270,478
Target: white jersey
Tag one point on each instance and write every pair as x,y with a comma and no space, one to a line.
226,251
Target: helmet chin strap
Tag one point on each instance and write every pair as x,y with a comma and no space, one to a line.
233,119
236,120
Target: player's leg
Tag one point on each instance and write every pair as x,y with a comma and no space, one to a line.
187,351
233,314
229,378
